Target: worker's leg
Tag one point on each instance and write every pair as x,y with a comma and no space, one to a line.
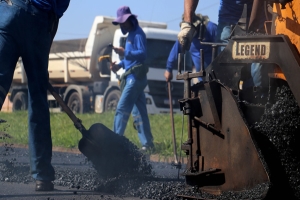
129,95
8,48
36,36
141,121
255,88
259,73
256,74
223,34
138,124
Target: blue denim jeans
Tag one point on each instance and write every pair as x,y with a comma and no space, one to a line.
256,76
223,34
259,74
25,31
133,100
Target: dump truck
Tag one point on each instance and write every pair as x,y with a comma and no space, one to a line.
88,85
241,145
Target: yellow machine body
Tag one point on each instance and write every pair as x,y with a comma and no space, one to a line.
288,21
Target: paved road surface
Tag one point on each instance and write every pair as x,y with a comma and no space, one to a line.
18,184
26,191
22,191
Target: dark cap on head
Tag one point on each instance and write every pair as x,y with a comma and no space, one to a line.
123,13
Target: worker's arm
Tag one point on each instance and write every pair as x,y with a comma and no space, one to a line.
188,30
119,50
172,61
168,75
138,51
189,9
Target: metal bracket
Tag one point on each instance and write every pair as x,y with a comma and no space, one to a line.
210,171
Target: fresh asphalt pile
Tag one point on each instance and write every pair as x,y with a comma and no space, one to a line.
277,136
162,182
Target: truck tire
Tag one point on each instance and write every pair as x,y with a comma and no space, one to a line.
112,100
20,101
75,103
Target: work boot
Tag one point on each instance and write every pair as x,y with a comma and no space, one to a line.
148,147
44,186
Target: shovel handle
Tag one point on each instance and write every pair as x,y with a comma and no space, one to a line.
77,122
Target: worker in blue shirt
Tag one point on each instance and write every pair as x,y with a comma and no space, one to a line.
27,29
258,84
134,80
230,12
209,36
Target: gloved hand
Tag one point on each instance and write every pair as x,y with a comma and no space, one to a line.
186,34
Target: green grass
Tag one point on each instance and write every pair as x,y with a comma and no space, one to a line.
64,133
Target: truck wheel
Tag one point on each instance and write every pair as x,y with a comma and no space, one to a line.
112,100
75,103
20,101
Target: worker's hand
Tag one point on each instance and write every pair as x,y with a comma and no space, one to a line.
113,67
119,51
186,34
168,75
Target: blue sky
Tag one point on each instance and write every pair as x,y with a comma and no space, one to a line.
78,19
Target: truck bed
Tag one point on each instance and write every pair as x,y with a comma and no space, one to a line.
67,63
68,45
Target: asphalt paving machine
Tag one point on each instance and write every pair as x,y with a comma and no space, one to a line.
224,151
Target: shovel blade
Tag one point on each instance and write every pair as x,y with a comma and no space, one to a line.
106,150
95,140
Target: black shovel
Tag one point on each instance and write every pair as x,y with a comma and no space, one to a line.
96,143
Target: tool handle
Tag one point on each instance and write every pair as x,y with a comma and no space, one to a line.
180,62
77,122
172,122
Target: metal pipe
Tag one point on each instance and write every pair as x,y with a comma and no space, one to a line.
172,122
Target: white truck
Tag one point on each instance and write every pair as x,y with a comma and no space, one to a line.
87,85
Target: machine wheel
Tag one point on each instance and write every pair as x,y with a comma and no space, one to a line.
112,100
75,103
20,101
